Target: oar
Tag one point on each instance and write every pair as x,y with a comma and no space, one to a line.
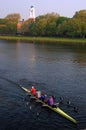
68,103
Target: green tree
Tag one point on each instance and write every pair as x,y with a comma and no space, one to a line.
73,27
61,19
51,19
24,27
62,26
11,23
13,17
45,25
80,15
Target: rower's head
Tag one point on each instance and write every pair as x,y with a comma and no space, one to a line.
32,86
45,95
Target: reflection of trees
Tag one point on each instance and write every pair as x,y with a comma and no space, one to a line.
80,54
80,58
57,52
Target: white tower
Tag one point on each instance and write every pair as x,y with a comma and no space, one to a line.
32,13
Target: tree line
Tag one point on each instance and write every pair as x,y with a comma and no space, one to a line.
8,25
50,25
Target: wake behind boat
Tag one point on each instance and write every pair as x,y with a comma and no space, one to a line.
55,109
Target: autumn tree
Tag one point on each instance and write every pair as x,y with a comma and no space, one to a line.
81,17
13,17
11,23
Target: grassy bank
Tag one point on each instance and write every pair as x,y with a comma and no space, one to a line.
43,39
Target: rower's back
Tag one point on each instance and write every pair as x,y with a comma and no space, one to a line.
38,94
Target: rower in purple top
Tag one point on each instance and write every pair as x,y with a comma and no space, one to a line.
51,101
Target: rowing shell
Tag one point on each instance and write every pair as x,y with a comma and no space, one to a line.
55,109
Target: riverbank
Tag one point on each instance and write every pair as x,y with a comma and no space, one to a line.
43,39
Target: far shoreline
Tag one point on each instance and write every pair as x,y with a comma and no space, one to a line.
45,39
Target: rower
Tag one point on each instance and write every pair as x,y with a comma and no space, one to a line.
33,91
38,94
50,101
44,98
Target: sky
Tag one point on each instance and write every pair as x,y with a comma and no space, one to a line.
66,8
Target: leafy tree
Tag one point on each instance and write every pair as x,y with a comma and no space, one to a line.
61,19
80,15
45,25
73,27
24,27
8,24
51,29
62,26
13,17
11,23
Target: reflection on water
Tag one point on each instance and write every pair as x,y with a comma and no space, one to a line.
54,68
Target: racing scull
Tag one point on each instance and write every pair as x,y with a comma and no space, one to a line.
55,109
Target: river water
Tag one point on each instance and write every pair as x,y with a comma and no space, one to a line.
55,69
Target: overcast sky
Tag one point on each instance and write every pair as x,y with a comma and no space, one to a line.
65,8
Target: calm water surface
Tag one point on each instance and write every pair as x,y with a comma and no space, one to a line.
55,69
